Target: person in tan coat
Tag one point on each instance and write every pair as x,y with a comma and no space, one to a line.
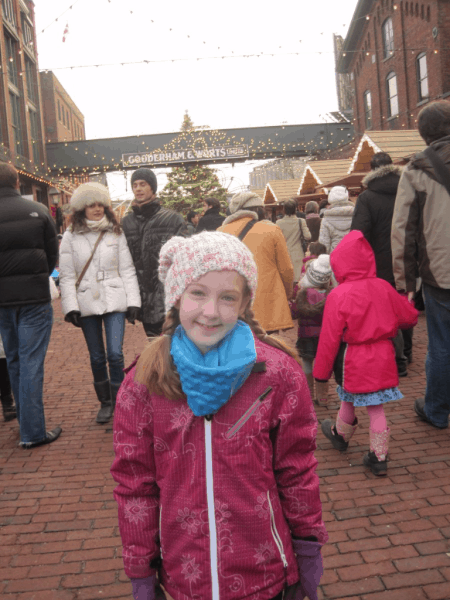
275,270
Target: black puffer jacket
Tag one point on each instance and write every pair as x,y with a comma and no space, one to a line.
211,220
147,229
28,250
373,215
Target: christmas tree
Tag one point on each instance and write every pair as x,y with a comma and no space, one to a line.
189,185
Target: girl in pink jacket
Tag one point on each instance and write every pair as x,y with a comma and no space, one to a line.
214,437
362,316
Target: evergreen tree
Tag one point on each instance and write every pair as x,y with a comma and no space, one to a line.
189,185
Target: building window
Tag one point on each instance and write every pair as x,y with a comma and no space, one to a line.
59,111
64,115
16,122
30,69
388,38
8,12
27,31
34,126
368,109
422,77
11,53
392,94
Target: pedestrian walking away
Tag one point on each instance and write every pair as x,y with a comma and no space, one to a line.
268,246
214,442
313,290
313,219
362,315
337,219
99,287
8,408
421,241
295,232
28,255
373,216
147,227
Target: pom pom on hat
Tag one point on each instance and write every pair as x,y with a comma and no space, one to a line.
338,194
318,273
184,260
88,194
243,200
147,175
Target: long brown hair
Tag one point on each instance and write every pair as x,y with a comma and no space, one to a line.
155,367
78,220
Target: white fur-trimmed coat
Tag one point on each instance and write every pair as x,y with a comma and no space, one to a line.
115,292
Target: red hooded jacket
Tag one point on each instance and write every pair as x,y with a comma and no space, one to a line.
365,312
219,500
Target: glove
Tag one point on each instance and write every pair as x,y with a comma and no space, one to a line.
132,314
310,568
73,317
147,588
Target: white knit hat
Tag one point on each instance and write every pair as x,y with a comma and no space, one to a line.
87,194
338,194
243,200
318,273
184,260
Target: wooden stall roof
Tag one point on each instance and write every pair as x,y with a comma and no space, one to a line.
319,172
281,190
259,192
400,145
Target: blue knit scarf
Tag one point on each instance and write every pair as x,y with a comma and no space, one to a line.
209,380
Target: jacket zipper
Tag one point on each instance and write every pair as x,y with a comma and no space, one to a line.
246,416
211,511
275,534
160,532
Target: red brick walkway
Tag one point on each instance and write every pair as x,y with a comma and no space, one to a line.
389,537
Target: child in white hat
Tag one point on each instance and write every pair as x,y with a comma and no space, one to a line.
314,288
214,436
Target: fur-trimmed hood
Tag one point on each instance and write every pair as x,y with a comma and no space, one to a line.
240,214
384,180
305,308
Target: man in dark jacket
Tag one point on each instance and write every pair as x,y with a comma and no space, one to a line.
147,228
373,216
212,219
421,238
28,254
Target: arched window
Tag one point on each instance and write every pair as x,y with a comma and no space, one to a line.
422,11
417,9
428,13
368,109
406,8
412,8
388,38
392,94
422,77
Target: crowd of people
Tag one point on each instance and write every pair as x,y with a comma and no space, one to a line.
216,477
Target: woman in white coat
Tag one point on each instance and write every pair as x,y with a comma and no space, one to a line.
290,226
107,293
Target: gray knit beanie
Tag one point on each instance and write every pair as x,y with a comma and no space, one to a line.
243,200
147,175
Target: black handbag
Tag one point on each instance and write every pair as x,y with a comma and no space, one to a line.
303,242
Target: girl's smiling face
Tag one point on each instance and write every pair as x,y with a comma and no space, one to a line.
210,307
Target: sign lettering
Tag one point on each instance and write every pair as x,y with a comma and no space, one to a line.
182,156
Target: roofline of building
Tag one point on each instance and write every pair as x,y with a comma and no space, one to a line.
357,25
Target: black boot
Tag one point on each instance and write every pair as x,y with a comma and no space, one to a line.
9,410
114,389
103,391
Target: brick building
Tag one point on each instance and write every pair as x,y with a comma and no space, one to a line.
21,123
63,121
397,57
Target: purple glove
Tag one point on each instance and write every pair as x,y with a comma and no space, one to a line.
310,568
144,589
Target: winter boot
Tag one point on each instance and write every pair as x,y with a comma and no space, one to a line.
103,391
114,389
322,393
376,459
339,434
310,380
9,410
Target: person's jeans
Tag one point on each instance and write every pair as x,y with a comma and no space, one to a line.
25,332
93,334
437,364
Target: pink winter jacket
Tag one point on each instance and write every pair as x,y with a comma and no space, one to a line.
364,312
218,500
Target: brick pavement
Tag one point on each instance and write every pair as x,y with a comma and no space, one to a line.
389,537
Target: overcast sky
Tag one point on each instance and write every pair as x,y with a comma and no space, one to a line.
230,92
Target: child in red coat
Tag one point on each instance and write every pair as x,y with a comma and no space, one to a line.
362,316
